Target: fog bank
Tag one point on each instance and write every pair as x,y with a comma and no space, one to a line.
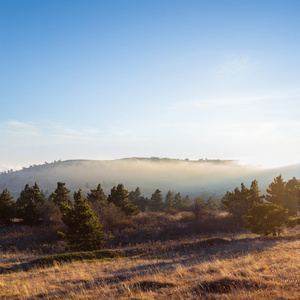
184,176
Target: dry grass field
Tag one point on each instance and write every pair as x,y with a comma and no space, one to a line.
220,266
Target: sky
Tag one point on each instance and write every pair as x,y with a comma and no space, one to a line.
179,79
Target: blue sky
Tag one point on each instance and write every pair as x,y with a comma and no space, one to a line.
182,79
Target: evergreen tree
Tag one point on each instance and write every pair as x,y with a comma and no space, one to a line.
142,203
120,198
236,202
276,191
197,207
30,205
84,231
241,200
97,196
211,204
178,201
186,203
118,195
169,200
254,193
138,200
135,195
61,194
7,207
266,218
156,201
292,199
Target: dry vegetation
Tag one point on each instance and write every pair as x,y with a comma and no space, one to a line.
161,264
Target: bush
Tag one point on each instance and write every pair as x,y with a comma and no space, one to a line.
111,216
266,219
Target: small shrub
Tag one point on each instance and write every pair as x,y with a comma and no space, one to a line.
171,211
112,217
187,216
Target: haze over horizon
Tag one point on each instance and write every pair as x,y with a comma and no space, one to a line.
106,80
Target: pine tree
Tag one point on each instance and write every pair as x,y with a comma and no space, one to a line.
254,193
120,198
61,194
169,200
186,203
7,207
97,196
156,201
276,191
241,200
84,231
30,205
197,207
178,201
138,200
135,195
292,199
211,204
266,218
236,202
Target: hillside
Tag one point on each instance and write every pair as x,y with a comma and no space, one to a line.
184,176
231,266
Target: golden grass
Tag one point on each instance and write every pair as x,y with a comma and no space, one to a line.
245,268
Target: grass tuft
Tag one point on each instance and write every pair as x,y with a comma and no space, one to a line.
51,260
215,241
148,285
227,285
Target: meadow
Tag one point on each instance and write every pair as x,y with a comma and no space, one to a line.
155,256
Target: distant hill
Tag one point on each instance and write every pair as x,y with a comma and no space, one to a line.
184,176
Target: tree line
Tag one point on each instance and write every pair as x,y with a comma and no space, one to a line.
33,207
263,214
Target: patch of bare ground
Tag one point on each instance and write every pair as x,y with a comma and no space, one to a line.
227,266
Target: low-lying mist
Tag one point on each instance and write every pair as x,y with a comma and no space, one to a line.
184,176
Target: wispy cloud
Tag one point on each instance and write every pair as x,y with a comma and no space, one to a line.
20,129
232,65
16,130
182,125
41,132
282,95
70,134
119,132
